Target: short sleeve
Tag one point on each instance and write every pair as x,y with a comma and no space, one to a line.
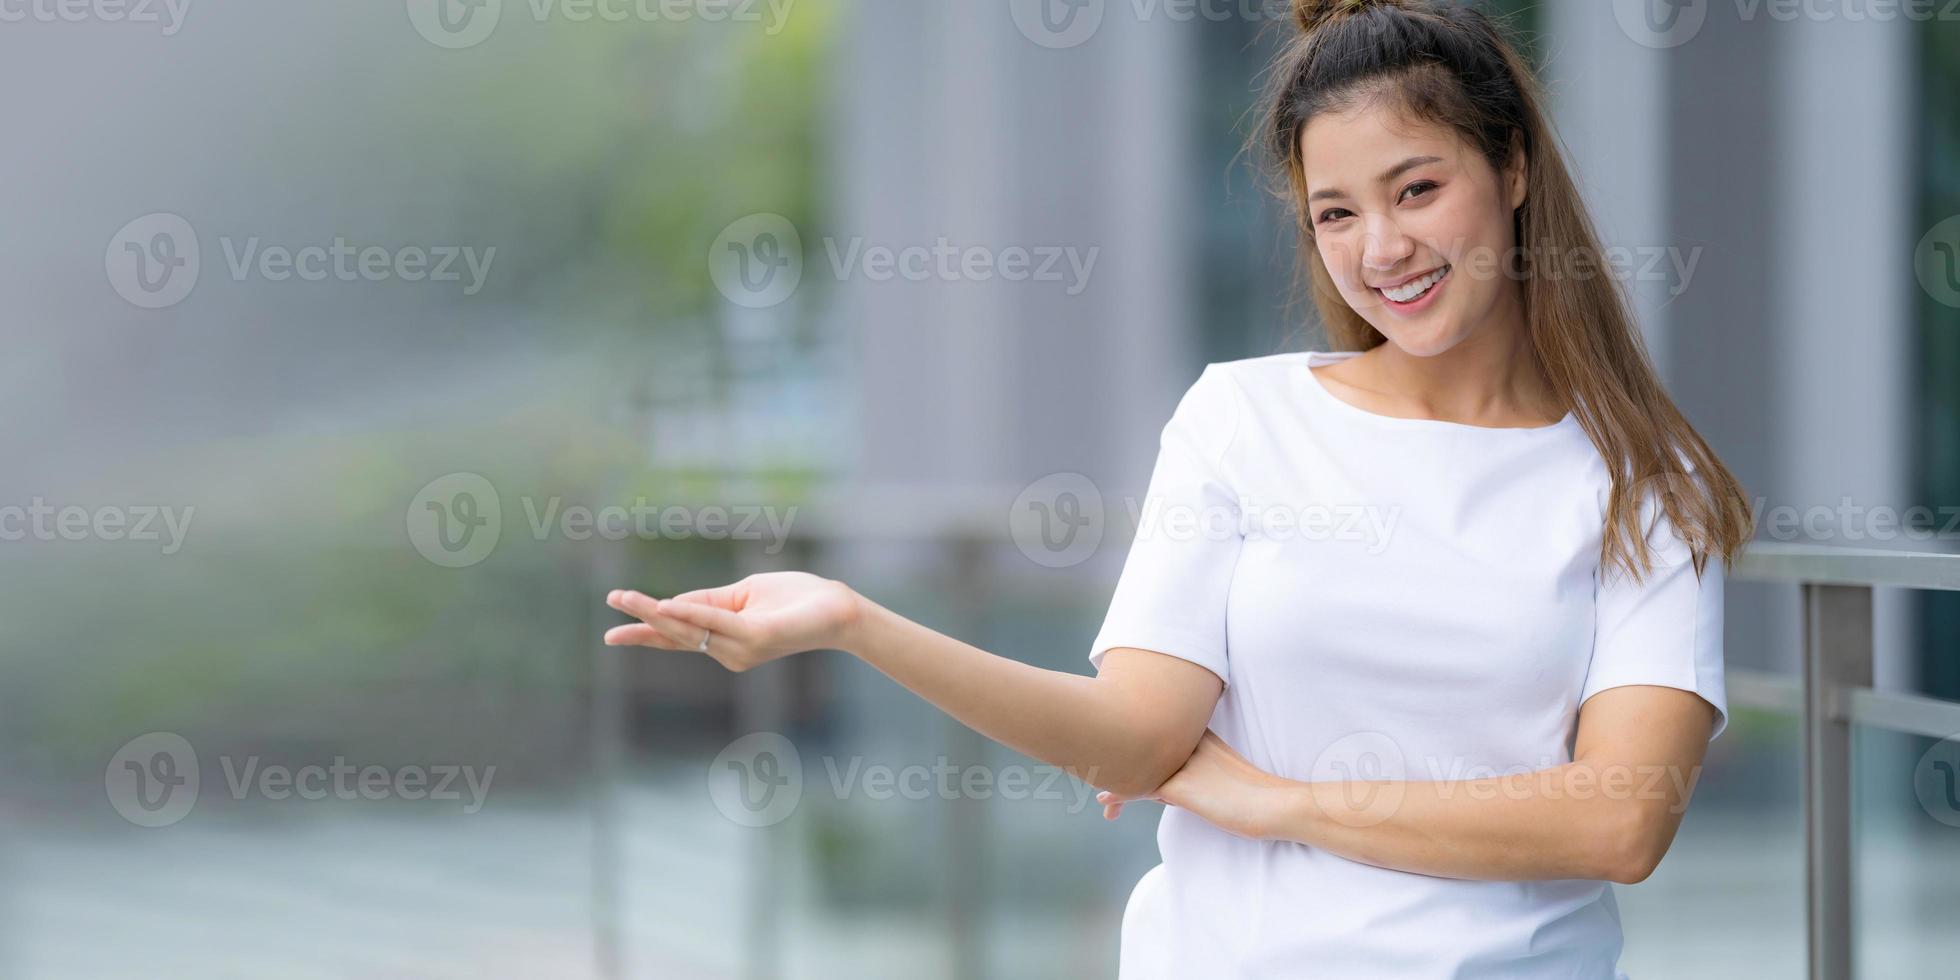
1171,595
1664,630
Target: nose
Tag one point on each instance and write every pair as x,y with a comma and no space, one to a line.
1384,247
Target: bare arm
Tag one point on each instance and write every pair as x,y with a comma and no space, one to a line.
1609,814
1129,727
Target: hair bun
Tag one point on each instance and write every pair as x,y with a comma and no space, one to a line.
1311,15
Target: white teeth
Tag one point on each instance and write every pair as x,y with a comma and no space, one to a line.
1411,290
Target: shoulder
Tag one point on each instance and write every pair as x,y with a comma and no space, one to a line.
1263,365
1211,413
1250,379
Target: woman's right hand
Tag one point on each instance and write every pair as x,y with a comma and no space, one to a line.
761,618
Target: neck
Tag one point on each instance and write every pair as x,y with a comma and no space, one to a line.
1490,375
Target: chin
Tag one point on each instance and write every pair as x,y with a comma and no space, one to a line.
1422,343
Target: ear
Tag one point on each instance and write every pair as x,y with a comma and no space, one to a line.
1515,171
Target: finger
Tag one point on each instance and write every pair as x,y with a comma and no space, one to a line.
1112,804
730,597
640,635
708,618
667,632
635,603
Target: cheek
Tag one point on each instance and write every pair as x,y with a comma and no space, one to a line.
1462,231
1343,264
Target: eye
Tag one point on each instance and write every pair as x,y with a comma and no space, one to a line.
1420,188
1427,185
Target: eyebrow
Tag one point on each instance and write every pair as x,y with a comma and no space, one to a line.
1393,172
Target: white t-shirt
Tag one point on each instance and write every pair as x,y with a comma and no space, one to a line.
1395,599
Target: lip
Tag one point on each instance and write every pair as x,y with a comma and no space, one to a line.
1425,301
1398,282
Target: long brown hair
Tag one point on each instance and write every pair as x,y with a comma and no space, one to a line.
1446,63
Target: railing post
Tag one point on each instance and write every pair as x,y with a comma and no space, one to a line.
968,847
762,704
1837,654
606,710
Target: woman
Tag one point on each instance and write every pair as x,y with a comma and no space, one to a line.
1422,749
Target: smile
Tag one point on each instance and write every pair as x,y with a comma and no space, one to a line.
1415,293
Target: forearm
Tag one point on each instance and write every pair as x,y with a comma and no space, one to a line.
1071,721
1552,823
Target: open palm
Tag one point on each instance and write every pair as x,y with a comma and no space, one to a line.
758,619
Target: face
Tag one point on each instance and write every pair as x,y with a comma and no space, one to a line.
1397,203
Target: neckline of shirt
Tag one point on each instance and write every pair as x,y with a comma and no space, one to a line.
1313,358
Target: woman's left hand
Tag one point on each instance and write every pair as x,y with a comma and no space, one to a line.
1219,785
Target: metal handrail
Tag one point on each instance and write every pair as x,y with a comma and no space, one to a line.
1833,692
1775,561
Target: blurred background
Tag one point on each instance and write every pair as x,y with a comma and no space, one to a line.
353,351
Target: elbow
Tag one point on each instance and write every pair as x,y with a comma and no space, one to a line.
1633,870
1141,773
1149,758
1636,847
